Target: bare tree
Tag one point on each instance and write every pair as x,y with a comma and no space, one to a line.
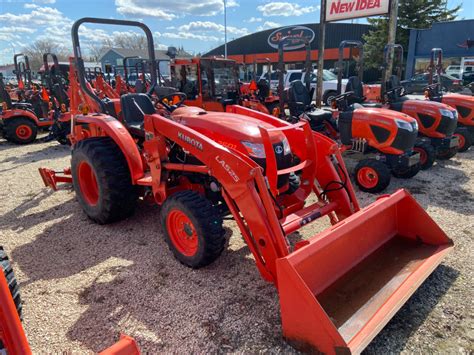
35,52
130,41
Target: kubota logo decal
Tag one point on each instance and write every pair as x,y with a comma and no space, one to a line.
194,142
227,168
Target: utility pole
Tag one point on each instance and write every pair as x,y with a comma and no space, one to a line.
392,32
225,29
322,36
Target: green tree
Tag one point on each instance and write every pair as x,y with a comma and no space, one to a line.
411,14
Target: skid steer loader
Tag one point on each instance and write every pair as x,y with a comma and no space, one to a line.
338,288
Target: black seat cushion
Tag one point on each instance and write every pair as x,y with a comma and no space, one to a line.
134,106
355,85
299,98
318,117
263,89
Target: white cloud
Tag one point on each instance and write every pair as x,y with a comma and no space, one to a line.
30,6
254,19
173,9
267,25
188,35
285,9
208,26
45,1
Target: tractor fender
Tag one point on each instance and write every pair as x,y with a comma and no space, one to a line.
111,127
15,113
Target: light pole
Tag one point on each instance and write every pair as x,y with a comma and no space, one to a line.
225,29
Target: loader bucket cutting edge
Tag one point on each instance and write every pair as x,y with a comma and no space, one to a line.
342,288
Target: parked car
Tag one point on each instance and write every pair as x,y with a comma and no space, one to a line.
418,82
455,70
329,82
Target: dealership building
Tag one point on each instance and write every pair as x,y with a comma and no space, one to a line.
455,38
262,45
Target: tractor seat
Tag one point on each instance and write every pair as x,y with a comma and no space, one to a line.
318,117
355,85
392,83
263,88
134,107
299,98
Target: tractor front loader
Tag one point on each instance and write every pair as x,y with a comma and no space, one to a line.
337,288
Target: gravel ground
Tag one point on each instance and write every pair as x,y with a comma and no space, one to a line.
83,284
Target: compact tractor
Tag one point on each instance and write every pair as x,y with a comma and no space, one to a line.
21,120
379,140
338,288
437,121
464,104
12,335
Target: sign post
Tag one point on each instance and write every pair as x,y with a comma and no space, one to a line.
322,38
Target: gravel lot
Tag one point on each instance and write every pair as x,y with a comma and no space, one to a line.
83,284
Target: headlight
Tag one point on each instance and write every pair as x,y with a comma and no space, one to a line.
286,146
415,125
447,113
455,114
256,150
404,125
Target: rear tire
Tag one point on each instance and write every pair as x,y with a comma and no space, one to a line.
274,109
192,228
102,181
427,154
11,280
372,175
465,138
20,130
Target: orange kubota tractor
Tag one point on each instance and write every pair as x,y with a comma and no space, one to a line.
21,120
380,141
464,104
437,121
12,336
338,288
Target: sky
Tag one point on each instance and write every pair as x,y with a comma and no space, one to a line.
197,25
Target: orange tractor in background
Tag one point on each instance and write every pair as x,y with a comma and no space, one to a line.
337,288
12,335
464,104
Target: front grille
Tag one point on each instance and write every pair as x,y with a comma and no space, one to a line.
283,161
463,111
447,125
405,140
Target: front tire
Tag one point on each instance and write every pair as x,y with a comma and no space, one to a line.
427,154
102,181
192,228
11,280
20,130
465,138
446,154
408,172
372,175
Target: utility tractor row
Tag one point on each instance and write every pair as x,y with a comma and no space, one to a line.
203,150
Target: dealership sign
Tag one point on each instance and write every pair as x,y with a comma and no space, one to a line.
346,9
296,36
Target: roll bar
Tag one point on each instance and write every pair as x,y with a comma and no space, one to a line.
45,61
398,54
340,62
261,60
80,62
125,65
22,68
436,53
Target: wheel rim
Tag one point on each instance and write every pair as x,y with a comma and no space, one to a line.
461,140
423,155
88,183
329,100
367,177
23,131
182,233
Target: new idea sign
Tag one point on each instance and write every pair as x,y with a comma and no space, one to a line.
347,9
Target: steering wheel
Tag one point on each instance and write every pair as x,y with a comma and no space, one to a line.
431,86
170,97
395,90
343,96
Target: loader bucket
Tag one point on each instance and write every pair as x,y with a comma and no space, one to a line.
340,289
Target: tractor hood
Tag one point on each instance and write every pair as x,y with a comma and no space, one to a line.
225,128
